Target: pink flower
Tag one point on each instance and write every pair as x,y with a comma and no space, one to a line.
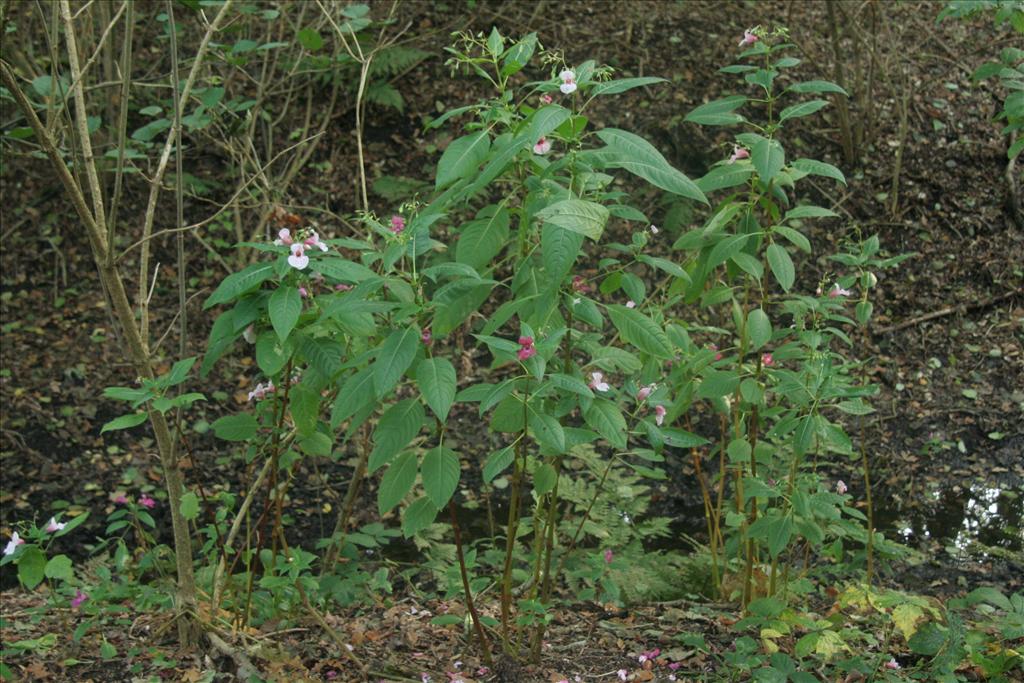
543,146
568,81
545,99
397,224
303,292
838,291
298,259
654,229
597,382
738,153
121,499
675,665
526,341
13,544
342,287
714,347
767,360
645,392
314,241
284,237
579,284
249,334
426,337
623,674
630,304
147,502
749,38
659,415
331,675
608,555
841,487
79,598
53,526
892,664
526,352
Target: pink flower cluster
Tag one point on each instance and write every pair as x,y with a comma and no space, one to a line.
526,348
261,390
397,224
298,246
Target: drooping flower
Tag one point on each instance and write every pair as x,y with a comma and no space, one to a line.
545,99
838,291
426,337
314,241
749,38
303,292
738,153
12,545
649,655
608,556
526,341
841,487
630,304
872,279
284,237
298,259
342,287
659,415
892,664
597,382
79,598
718,354
645,392
543,146
579,284
147,502
767,360
568,77
249,334
623,674
121,499
397,224
527,349
654,229
425,677
53,526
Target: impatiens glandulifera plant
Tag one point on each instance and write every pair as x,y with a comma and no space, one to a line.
778,390
28,549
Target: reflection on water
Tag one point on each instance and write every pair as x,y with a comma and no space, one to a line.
959,516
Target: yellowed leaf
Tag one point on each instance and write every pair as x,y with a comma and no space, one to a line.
905,617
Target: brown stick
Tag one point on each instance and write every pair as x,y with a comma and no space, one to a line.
948,310
484,643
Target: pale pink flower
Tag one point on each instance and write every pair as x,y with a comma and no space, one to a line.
608,556
298,259
303,292
841,487
659,415
767,360
543,146
714,347
645,392
426,337
568,82
121,499
545,99
342,287
147,502
397,224
12,545
249,334
749,38
675,665
654,229
597,382
738,153
838,291
579,284
331,675
623,674
284,238
53,526
892,664
630,304
79,598
314,241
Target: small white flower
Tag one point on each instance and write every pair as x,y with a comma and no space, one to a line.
53,526
298,259
654,229
597,382
568,82
249,334
630,304
13,544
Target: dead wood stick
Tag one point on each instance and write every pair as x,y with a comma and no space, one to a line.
949,310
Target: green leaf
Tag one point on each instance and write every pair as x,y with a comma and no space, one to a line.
544,479
456,301
396,482
808,211
395,356
802,109
577,215
418,516
781,265
794,236
462,158
344,270
310,39
482,239
284,307
189,506
634,154
548,432
59,567
318,444
718,112
304,406
768,158
724,176
559,249
124,422
572,384
759,328
496,463
679,438
607,420
819,168
928,640
816,87
436,378
107,650
396,428
623,84
354,394
240,427
495,44
716,383
31,565
239,283
640,331
726,249
440,471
